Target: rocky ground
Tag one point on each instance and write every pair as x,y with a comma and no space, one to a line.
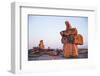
52,54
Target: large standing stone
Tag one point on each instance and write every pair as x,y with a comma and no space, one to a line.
41,44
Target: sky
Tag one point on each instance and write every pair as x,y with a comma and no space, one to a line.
48,28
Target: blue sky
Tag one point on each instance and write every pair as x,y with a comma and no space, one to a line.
48,28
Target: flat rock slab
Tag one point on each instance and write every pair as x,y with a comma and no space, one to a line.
82,54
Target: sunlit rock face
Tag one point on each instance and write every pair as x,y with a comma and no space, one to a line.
70,40
41,44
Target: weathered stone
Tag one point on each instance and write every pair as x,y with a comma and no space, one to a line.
41,44
68,39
